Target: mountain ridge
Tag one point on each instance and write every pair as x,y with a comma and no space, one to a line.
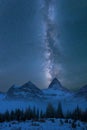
26,91
30,91
29,94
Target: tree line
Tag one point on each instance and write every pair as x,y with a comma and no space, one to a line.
36,114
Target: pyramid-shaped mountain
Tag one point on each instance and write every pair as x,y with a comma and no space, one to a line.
56,91
55,84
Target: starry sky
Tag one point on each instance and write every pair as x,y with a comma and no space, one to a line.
41,40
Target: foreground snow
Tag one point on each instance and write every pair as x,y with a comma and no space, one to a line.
50,124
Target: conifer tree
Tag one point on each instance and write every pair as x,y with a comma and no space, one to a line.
77,114
50,113
59,112
41,114
7,116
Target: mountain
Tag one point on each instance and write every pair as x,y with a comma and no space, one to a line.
82,92
27,91
30,95
56,91
56,85
2,95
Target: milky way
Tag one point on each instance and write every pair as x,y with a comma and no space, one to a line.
43,39
49,38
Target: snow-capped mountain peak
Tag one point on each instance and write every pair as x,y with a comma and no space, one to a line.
55,84
29,85
26,91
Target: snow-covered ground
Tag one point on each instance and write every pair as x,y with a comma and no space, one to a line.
49,124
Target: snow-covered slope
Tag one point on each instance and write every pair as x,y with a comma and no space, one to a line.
56,91
28,91
82,92
29,94
2,95
56,85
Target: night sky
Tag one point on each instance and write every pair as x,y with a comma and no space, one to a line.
43,39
